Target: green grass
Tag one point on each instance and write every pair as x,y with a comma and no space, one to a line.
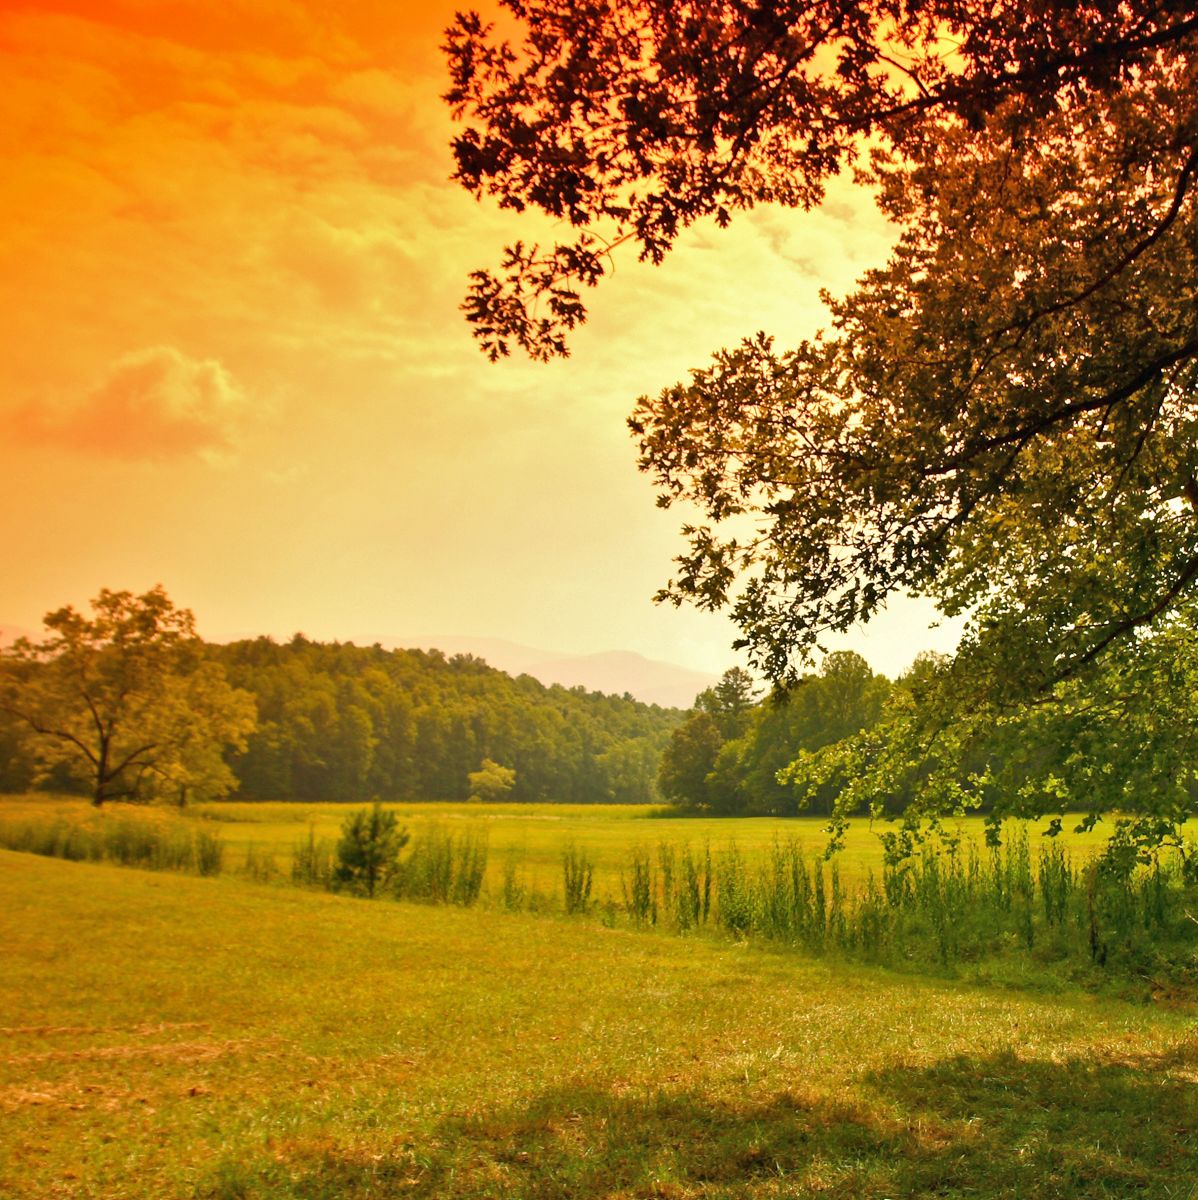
534,833
1032,906
169,1036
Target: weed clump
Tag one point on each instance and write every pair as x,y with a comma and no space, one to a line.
312,861
940,903
578,874
442,868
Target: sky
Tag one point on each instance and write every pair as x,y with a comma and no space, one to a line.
231,264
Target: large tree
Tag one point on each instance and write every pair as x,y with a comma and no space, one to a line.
1002,416
126,700
688,758
1009,392
730,702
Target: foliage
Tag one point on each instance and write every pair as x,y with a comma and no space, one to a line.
730,702
491,781
726,757
345,722
1001,417
633,123
312,861
125,701
368,852
688,759
1122,740
443,868
821,709
929,896
578,873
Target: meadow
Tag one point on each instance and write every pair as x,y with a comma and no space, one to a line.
1037,908
172,1036
533,834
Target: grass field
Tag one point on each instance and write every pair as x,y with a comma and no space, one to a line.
534,834
168,1036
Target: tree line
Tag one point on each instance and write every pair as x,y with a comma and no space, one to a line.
129,703
844,741
343,722
725,757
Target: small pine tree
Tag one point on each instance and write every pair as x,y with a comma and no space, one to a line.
368,852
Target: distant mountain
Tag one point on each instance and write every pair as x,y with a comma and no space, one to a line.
613,671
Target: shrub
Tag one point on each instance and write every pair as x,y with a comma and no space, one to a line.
442,869
368,852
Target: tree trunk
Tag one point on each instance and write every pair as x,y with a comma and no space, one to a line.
99,795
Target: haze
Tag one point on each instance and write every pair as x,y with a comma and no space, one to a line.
231,262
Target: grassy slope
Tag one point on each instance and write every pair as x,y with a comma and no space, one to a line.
170,1036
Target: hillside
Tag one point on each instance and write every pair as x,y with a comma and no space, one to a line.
173,1036
344,722
613,671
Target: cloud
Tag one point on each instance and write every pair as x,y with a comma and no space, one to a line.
156,404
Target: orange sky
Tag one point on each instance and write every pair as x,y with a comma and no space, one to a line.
230,269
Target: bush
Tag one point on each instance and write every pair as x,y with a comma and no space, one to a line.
368,852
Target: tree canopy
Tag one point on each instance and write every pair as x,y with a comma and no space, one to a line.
1002,416
1010,393
726,756
345,722
125,701
491,782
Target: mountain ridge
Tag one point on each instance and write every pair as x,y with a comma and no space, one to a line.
652,681
612,672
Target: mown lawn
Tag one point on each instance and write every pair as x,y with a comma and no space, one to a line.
170,1036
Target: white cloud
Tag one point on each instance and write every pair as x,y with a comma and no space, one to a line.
155,404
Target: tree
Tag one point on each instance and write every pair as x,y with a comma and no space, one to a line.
688,759
126,701
368,852
1002,416
491,782
1123,741
730,702
1028,354
843,698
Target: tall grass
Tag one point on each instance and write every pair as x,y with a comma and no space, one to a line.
578,877
259,864
313,861
691,899
443,868
946,904
131,841
943,903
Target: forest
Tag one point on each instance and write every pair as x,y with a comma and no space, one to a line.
342,722
338,721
